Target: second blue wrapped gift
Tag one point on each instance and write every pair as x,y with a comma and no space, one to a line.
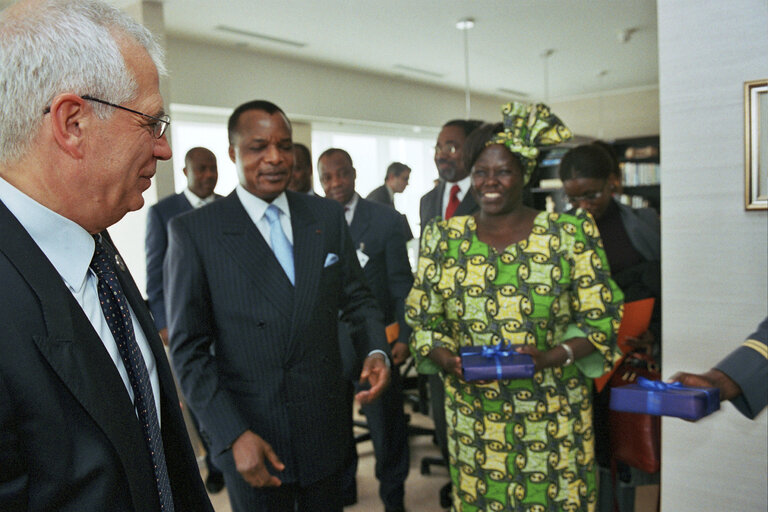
663,399
495,362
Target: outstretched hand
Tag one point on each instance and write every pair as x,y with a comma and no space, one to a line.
251,454
376,373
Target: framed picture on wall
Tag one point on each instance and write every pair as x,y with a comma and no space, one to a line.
756,144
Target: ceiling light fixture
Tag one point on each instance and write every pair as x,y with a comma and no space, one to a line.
512,92
420,71
600,106
263,37
546,54
465,24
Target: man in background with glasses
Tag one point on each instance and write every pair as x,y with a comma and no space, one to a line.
450,197
89,415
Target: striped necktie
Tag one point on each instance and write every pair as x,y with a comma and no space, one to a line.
115,307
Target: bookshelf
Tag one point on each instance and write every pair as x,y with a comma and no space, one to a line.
639,161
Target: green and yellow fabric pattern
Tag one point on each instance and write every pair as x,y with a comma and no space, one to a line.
520,444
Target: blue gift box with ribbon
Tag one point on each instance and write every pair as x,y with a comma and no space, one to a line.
665,399
494,362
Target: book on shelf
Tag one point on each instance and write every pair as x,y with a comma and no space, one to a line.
634,201
550,183
635,173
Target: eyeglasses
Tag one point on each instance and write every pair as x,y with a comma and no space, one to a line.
593,196
159,126
447,148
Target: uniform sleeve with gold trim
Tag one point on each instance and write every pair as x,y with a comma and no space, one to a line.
748,367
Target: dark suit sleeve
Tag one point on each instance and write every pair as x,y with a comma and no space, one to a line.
192,333
399,275
156,242
357,304
748,367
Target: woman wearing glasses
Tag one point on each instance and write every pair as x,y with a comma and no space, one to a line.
540,281
631,238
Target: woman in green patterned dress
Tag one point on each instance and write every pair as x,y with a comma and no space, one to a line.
534,279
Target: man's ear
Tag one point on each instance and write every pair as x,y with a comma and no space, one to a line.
232,153
70,118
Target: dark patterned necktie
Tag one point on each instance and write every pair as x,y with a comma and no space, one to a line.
118,317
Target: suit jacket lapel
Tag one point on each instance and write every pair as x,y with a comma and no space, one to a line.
75,352
243,241
308,248
360,222
437,205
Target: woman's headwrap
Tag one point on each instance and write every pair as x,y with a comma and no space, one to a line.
527,127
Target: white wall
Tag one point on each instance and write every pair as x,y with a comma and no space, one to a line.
220,76
714,254
203,74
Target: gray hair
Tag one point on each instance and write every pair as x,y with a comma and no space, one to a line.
59,46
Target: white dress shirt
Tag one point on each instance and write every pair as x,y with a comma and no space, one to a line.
197,201
349,208
70,249
255,207
463,189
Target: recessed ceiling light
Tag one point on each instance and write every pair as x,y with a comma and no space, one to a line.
411,69
263,37
512,92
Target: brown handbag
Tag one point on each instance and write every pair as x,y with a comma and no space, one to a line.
635,439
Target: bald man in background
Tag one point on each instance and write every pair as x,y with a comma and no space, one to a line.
202,174
301,177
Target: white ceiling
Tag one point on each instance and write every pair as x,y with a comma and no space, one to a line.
505,45
396,37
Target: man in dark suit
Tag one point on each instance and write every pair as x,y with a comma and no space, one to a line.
450,197
255,283
301,178
202,175
377,234
395,182
89,416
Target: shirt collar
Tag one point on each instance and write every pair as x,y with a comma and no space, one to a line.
349,208
463,184
256,206
67,245
197,201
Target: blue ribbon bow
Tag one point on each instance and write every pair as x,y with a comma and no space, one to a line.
657,385
657,388
496,352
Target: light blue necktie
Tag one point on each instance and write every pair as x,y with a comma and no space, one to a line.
280,244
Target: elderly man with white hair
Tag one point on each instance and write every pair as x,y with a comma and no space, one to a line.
89,416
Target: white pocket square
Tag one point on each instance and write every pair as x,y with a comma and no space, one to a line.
330,259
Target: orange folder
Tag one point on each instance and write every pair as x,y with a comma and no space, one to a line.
636,319
393,332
